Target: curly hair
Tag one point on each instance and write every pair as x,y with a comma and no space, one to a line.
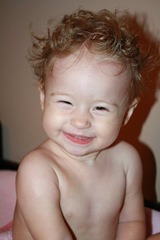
104,33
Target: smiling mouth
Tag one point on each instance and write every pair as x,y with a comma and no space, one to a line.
78,139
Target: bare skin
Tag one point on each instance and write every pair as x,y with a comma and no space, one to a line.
88,203
82,183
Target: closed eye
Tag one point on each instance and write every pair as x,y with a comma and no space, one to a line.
100,108
65,102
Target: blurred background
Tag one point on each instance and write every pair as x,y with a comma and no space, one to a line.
20,113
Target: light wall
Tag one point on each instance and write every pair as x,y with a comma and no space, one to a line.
20,112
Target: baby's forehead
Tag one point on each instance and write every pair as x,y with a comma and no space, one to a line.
107,64
102,71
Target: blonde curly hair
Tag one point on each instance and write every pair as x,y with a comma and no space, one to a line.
104,33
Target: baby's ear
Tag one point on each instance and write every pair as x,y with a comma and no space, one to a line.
130,110
42,97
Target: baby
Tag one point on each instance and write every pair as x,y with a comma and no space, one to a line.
84,182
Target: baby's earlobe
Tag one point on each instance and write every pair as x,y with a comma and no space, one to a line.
42,96
130,110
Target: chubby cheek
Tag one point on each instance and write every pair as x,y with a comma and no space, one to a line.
109,131
52,122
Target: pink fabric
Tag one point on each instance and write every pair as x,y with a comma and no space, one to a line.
6,235
7,196
6,232
6,227
155,222
152,221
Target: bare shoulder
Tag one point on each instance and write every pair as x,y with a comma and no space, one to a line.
126,151
34,167
132,165
128,156
35,161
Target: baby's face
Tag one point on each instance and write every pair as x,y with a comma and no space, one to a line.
84,103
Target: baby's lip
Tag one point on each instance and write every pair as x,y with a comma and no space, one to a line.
77,138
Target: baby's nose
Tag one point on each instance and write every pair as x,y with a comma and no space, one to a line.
80,121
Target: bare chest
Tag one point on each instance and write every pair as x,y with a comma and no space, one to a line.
93,204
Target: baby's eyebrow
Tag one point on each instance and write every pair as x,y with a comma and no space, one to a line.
105,102
59,93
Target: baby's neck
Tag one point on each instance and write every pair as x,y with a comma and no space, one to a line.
88,159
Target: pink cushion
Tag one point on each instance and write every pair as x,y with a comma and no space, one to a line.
153,221
7,196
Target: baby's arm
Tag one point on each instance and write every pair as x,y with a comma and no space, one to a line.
39,199
132,218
